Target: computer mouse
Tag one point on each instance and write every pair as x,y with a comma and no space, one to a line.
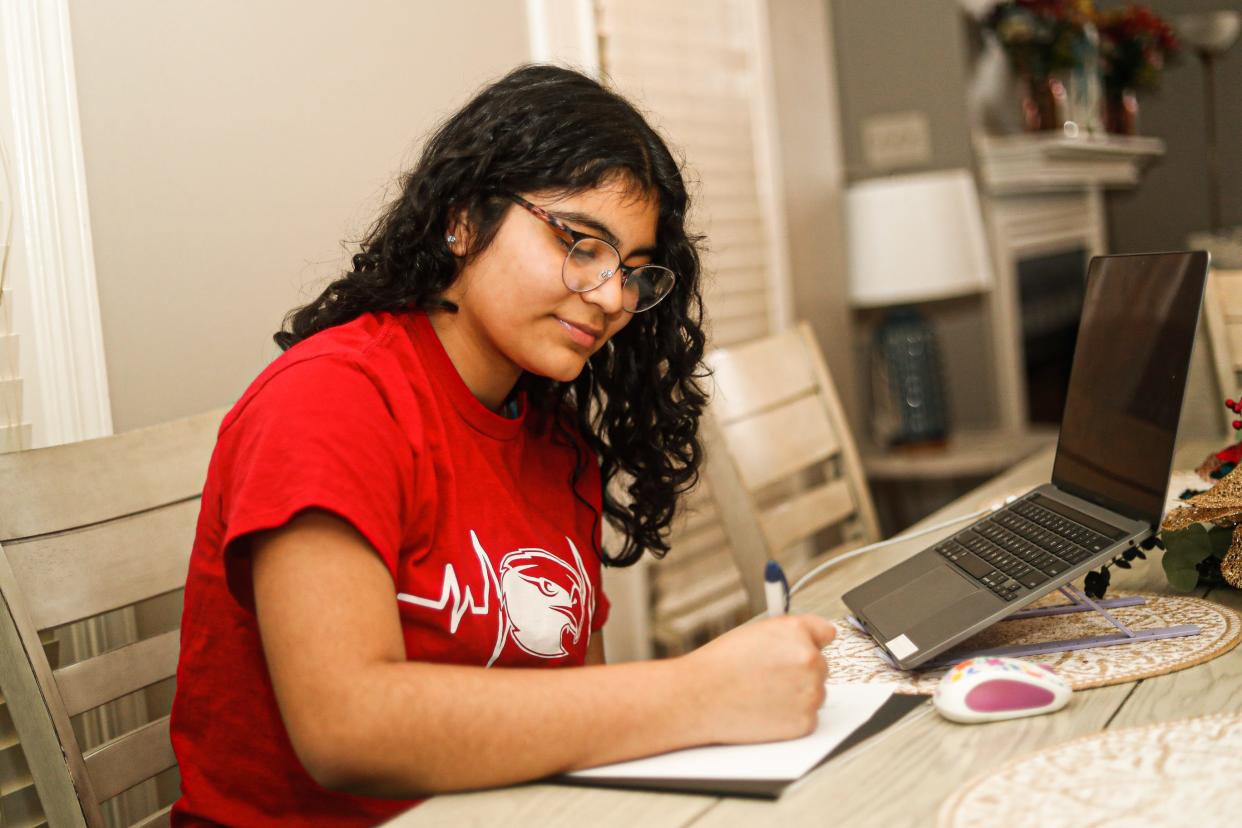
995,687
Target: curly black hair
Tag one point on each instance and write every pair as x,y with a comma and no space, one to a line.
547,129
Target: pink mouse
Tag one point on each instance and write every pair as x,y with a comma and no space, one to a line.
996,687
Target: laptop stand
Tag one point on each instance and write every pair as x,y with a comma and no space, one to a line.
1079,602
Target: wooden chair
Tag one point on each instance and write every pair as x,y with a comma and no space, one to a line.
88,532
1222,309
691,596
781,463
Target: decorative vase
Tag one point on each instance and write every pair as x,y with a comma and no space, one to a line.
1043,103
1121,110
1084,89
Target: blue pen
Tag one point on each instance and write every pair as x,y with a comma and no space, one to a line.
775,589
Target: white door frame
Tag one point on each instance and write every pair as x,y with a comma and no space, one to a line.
563,32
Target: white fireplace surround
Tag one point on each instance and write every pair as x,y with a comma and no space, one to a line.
1041,195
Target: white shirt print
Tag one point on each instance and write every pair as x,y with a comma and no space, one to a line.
539,598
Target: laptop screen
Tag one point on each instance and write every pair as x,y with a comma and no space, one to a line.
1126,385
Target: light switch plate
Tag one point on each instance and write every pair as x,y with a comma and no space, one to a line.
897,140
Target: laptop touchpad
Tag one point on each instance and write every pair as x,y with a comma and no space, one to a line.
918,600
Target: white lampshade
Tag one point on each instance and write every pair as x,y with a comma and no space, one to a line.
1212,33
915,238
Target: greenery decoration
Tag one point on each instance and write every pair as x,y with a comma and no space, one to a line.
1040,37
1192,556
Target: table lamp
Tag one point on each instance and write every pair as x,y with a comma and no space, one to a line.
911,239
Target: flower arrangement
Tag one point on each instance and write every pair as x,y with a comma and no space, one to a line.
1135,46
1040,37
1203,539
1048,41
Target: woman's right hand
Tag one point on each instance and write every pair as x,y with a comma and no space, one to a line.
760,682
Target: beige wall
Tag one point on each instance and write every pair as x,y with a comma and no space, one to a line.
899,56
230,146
1173,199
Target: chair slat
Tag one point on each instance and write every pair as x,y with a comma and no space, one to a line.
669,577
1223,285
160,819
698,499
807,513
698,542
129,560
20,806
695,511
729,331
851,464
1228,288
101,679
695,520
752,377
1234,330
777,443
97,480
38,722
124,762
724,581
680,628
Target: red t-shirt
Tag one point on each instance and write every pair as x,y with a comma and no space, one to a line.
491,554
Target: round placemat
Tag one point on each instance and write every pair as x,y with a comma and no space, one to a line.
1168,774
853,658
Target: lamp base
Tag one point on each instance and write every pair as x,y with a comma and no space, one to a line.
922,448
907,382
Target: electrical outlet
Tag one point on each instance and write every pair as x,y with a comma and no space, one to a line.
897,139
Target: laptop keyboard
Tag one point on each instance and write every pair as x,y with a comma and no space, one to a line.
1022,546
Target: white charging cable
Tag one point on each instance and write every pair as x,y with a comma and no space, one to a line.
871,547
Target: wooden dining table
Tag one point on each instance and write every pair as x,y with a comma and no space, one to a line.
901,776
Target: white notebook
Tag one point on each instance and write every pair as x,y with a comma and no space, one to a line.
758,770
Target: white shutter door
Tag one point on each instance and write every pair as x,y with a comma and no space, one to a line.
695,68
14,434
692,66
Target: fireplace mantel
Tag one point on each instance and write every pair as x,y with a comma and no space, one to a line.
1024,164
1043,194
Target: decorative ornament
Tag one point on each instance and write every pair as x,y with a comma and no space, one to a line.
1203,539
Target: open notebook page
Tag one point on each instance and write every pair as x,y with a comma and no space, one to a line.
846,708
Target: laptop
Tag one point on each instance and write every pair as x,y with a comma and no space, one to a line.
1107,493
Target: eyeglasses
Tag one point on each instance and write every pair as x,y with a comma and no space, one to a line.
590,262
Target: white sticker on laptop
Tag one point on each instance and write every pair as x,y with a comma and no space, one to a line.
901,646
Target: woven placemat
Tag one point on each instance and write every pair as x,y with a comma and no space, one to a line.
1169,774
853,657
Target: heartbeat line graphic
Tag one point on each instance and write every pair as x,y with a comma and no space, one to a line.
452,591
524,602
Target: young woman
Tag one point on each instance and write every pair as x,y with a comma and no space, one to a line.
401,522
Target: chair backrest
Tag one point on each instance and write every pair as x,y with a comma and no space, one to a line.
87,530
696,592
1222,308
780,460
